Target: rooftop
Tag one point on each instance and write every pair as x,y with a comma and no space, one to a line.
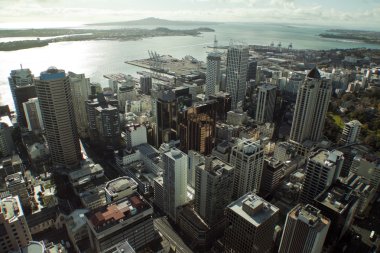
326,158
308,214
76,219
253,209
120,184
267,87
110,215
314,73
87,168
11,208
353,123
15,178
52,73
248,146
338,198
33,247
215,166
6,120
274,164
123,247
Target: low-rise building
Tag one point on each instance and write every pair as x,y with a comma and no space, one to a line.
129,219
119,188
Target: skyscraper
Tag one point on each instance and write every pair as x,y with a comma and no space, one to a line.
313,99
197,127
213,182
305,230
166,117
213,73
17,186
80,90
237,64
146,84
339,203
54,95
166,106
251,223
351,132
323,168
33,114
266,101
22,88
175,164
6,141
108,126
248,159
104,122
252,69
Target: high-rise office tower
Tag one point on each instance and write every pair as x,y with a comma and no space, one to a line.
166,117
366,166
305,230
252,69
273,175
197,127
108,126
223,101
175,164
251,224
266,101
15,232
104,122
248,159
22,88
33,114
146,84
54,95
166,106
213,182
80,90
237,64
339,203
313,99
213,73
195,159
323,168
6,141
351,132
16,186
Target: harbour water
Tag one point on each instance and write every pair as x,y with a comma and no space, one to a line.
96,58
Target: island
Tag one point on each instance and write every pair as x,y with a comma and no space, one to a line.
151,21
60,35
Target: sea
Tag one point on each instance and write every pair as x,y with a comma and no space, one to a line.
97,58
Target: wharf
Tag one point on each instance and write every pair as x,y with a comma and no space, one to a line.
171,66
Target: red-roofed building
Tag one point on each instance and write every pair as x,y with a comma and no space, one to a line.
129,218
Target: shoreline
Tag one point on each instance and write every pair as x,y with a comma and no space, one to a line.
71,35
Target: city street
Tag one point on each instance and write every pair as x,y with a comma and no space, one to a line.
163,226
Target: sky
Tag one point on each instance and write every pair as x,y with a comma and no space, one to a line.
340,13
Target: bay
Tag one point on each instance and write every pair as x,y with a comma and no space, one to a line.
96,58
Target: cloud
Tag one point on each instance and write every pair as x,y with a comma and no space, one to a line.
284,11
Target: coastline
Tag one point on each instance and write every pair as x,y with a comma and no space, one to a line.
90,34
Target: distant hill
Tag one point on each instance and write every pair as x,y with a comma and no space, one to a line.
156,22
